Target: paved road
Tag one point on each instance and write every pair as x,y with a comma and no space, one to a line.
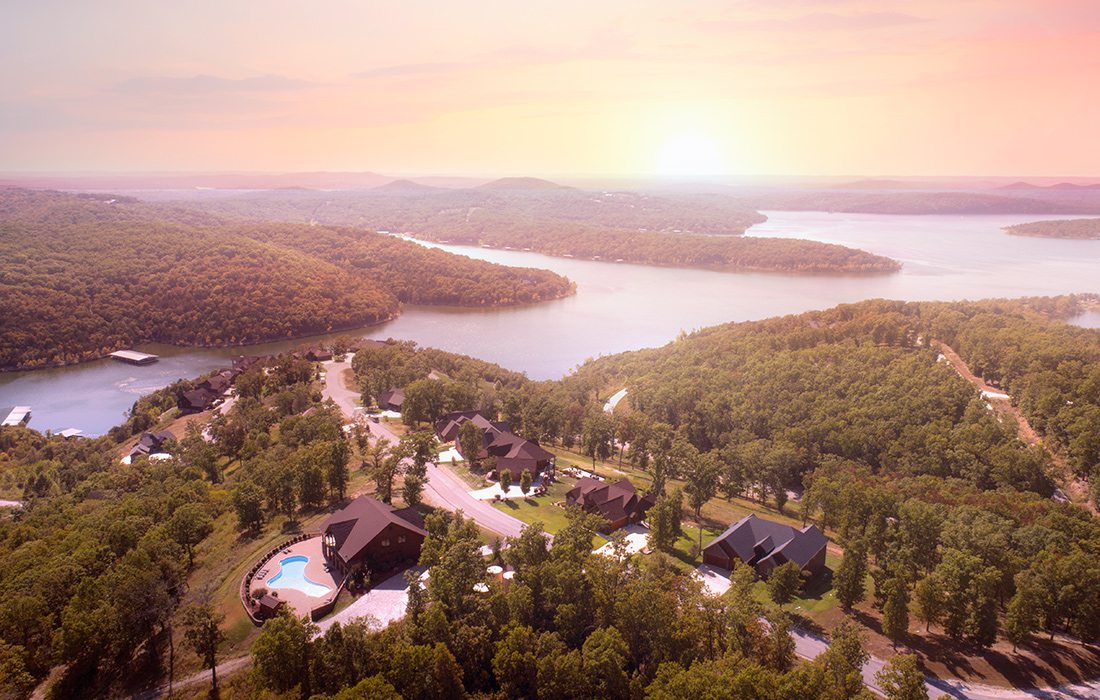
444,488
11,504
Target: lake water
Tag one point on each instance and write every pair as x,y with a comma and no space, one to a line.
624,307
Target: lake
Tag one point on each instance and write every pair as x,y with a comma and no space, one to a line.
624,307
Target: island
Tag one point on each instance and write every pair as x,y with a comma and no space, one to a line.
1080,229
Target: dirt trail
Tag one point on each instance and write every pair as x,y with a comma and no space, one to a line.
1076,488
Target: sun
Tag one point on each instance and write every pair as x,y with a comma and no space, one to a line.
690,155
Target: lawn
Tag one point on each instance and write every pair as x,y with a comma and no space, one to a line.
542,508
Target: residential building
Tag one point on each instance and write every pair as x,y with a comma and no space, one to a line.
766,544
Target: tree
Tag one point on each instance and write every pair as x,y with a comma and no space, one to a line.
383,465
505,480
851,575
280,655
248,501
784,582
338,467
412,491
525,481
529,549
895,612
928,594
597,434
843,661
664,521
188,525
1022,618
370,688
702,481
470,442
203,635
901,678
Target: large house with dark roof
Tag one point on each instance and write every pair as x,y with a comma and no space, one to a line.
511,452
150,444
766,544
392,400
618,503
373,535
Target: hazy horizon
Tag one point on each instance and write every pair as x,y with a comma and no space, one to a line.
847,88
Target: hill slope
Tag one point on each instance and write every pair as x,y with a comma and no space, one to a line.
81,276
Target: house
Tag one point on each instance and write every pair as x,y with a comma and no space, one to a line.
618,503
318,355
511,452
766,544
373,535
391,400
149,444
268,605
209,390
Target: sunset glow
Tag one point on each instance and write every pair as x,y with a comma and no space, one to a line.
792,87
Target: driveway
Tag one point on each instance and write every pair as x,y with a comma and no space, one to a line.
444,488
383,604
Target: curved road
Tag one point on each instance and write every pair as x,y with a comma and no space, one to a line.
444,488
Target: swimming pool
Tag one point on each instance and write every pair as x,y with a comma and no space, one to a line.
292,574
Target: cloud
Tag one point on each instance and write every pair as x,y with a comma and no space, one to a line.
402,69
209,84
821,21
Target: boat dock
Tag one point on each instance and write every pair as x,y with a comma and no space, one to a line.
15,415
134,357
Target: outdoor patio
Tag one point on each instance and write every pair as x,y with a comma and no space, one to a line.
288,588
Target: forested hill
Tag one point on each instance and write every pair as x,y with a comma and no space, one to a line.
82,276
861,382
674,229
1065,228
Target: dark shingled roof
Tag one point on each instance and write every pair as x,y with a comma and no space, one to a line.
357,524
752,537
613,501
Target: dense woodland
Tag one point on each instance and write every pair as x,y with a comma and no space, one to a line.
931,497
696,230
1058,228
82,276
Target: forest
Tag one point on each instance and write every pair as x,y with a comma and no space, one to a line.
1058,228
944,517
672,229
82,276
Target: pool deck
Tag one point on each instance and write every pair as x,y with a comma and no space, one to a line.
300,602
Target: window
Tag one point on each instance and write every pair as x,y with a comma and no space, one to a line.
385,543
400,539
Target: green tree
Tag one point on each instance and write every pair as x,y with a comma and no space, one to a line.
1022,618
901,678
665,521
525,481
203,634
895,611
505,480
597,434
248,501
412,491
703,477
851,574
470,442
281,654
188,525
370,688
929,598
843,662
783,582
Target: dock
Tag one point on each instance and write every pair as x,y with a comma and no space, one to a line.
15,415
134,357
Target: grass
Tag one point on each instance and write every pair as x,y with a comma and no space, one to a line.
542,508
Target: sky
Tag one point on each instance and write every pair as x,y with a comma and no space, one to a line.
616,87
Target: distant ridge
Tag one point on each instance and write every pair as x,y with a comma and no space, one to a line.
881,184
1059,186
522,183
402,186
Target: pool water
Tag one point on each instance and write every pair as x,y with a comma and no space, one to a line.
292,574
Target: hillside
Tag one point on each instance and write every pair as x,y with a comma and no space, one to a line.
956,202
82,276
684,230
1068,228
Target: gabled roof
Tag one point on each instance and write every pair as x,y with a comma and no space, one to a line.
357,524
751,536
613,501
